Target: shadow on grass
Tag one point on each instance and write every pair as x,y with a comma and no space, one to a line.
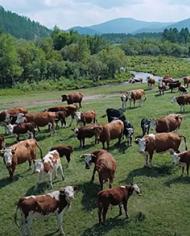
34,190
6,181
155,171
177,180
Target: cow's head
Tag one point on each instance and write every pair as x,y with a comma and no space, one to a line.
128,132
124,98
136,189
142,144
64,98
10,128
152,124
173,100
8,155
88,159
20,118
76,131
78,115
175,157
38,166
68,192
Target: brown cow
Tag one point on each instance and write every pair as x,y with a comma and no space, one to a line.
167,79
88,132
63,150
150,82
86,117
186,81
182,101
182,159
40,119
104,163
73,98
115,196
167,123
111,131
20,153
159,143
55,202
135,95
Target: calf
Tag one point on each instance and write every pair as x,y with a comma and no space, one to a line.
23,128
150,82
115,196
20,153
182,159
105,165
44,205
186,81
63,150
87,132
128,131
73,98
158,143
112,130
145,126
49,166
124,99
182,101
86,117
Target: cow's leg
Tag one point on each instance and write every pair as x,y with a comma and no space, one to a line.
93,175
17,138
105,209
61,171
187,168
120,209
40,178
60,223
101,182
182,170
125,208
150,159
83,142
28,226
11,172
100,208
145,159
30,164
50,179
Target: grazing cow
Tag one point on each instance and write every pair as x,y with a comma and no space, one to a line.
167,79
150,82
44,205
49,166
182,101
182,159
145,126
63,150
135,80
173,85
113,114
115,196
20,153
135,95
182,89
158,143
104,163
86,117
128,131
40,119
167,123
22,128
186,81
124,100
161,87
73,98
87,132
112,130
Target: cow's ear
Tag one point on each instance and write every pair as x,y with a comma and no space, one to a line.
13,150
76,188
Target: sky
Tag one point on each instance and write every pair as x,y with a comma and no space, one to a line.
69,13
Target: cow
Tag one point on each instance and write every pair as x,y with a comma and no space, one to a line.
88,131
115,196
124,100
49,165
150,82
145,126
182,89
160,142
40,119
167,123
135,80
113,114
182,100
104,163
20,153
63,150
22,128
128,131
43,205
135,95
73,98
85,117
174,84
182,159
161,87
167,79
186,81
112,130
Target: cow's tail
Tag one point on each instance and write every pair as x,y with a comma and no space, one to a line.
185,141
144,98
41,155
15,217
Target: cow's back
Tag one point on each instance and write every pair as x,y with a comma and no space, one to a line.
165,141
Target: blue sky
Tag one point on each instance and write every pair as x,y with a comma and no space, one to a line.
68,13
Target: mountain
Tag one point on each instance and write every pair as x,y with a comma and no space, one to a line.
181,24
123,25
20,26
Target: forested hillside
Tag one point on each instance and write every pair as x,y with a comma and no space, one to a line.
20,26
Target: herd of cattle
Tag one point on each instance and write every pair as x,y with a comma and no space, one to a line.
20,121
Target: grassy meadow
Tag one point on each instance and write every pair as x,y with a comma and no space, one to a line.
164,207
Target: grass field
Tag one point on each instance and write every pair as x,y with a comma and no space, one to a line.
164,205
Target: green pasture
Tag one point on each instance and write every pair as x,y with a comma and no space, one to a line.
162,210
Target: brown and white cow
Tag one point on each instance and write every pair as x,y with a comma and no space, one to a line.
20,153
48,166
182,159
150,81
160,142
167,123
104,163
43,205
136,95
182,101
186,81
85,117
115,196
73,98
